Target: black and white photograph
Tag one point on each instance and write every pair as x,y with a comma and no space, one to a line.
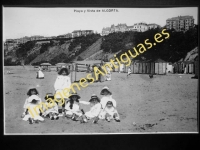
100,70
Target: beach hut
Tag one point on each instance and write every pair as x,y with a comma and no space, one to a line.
180,67
121,68
169,68
143,67
45,66
116,69
148,67
152,68
160,66
135,67
139,67
175,67
191,68
186,67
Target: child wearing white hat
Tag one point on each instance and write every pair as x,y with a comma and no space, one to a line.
31,111
95,108
107,96
110,112
72,108
109,104
52,108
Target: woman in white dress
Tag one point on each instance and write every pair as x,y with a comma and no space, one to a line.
40,74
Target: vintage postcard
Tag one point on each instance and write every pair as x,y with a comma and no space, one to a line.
96,70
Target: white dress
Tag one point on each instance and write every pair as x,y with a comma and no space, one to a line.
94,110
108,75
75,109
40,74
33,112
129,71
111,111
62,86
52,108
29,99
107,98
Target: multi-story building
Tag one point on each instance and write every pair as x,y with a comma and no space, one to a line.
131,28
105,31
139,27
36,37
119,28
180,23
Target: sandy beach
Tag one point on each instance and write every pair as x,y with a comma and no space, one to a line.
165,103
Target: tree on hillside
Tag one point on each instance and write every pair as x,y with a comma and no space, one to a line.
24,48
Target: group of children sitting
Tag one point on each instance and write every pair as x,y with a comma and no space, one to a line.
104,108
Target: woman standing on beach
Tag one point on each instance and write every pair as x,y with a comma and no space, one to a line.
62,82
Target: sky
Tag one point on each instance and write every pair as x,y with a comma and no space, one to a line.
28,21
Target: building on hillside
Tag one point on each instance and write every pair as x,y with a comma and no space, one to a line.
68,35
153,26
180,23
24,39
131,28
36,37
141,26
119,28
77,33
105,31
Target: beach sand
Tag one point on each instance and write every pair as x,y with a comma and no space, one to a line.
165,103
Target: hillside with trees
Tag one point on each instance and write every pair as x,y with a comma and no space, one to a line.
172,49
55,51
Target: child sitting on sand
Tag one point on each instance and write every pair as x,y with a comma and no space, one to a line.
72,109
52,107
31,111
108,105
110,112
94,110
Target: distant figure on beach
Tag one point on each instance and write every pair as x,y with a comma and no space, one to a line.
40,74
151,75
185,69
101,77
93,74
129,71
62,82
108,75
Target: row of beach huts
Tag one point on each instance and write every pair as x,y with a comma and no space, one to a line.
158,66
